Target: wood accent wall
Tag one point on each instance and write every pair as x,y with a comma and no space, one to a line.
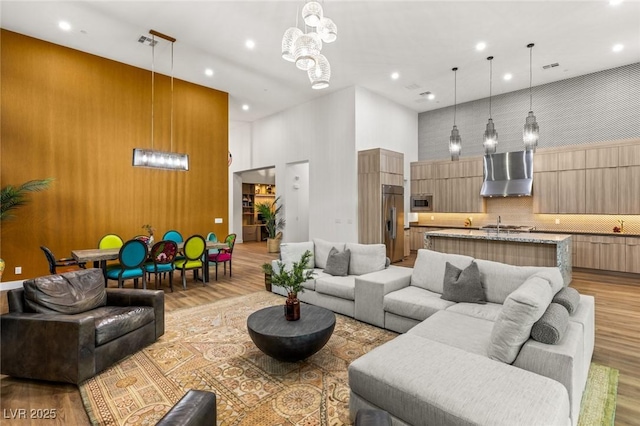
77,117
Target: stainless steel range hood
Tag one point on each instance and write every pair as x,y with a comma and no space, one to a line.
508,174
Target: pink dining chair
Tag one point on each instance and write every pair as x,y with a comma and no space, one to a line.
224,255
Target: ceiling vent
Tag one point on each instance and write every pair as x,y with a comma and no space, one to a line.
148,41
546,67
412,86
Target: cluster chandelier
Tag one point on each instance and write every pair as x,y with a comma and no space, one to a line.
531,131
455,142
151,157
304,48
490,138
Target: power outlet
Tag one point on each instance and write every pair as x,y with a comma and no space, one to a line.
18,270
433,218
557,221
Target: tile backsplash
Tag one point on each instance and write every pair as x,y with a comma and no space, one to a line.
519,211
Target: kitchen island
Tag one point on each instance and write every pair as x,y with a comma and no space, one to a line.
521,248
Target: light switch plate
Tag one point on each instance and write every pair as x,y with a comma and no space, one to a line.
218,220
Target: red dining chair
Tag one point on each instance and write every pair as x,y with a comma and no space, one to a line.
163,254
225,255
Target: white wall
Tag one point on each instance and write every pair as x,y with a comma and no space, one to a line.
381,123
321,132
240,148
296,190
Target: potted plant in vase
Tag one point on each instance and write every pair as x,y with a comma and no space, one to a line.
273,221
12,197
291,280
268,271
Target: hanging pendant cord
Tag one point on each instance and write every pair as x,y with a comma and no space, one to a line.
530,77
153,60
455,94
490,83
171,135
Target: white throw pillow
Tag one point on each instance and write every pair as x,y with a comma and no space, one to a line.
366,258
520,311
292,252
428,270
322,249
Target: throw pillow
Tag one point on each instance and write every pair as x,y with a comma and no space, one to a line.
569,298
551,326
69,293
338,262
366,258
292,252
322,249
520,311
462,285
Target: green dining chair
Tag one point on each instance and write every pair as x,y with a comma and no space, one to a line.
110,241
193,251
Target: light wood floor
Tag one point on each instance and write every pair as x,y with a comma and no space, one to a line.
617,336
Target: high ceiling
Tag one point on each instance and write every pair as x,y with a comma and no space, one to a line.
420,40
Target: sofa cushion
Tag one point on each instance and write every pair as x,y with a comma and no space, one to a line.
457,330
292,252
366,258
114,321
338,262
322,249
551,326
499,279
69,293
428,270
462,285
413,302
521,310
569,298
342,287
489,311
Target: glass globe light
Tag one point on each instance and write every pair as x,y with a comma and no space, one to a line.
288,40
312,13
320,74
328,30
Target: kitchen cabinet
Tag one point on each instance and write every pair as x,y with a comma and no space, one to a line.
629,155
545,192
407,242
571,191
602,157
612,253
571,160
442,195
632,255
545,162
628,190
586,252
422,186
602,196
600,252
417,237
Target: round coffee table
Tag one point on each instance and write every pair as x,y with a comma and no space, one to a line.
291,340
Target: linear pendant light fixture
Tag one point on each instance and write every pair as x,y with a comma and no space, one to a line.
151,157
455,142
490,138
531,131
304,48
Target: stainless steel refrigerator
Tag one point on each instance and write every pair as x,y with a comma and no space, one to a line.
393,221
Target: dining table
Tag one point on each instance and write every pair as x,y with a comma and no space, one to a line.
101,256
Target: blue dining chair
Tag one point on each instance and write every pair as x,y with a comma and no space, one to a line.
132,256
193,250
173,235
163,254
212,237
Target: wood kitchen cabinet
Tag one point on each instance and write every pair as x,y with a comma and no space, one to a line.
571,191
602,196
586,252
613,253
632,255
545,192
417,237
442,195
628,190
600,252
407,242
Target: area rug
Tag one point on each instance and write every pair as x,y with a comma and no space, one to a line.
208,348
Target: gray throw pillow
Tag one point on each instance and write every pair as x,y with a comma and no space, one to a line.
551,326
338,262
569,298
462,285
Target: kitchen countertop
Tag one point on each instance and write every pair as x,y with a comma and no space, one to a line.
522,237
540,231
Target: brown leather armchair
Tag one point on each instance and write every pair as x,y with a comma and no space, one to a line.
70,346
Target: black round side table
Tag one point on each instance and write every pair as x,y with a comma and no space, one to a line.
291,341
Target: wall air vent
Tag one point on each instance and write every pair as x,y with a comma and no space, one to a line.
148,41
546,67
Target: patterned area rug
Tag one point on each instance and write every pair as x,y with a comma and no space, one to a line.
207,347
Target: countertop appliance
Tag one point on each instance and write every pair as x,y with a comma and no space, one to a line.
508,174
421,203
393,221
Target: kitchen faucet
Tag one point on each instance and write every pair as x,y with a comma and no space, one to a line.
498,225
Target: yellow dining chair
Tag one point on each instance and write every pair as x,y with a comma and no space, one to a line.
193,251
110,241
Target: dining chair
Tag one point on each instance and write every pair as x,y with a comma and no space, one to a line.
110,241
212,237
132,256
224,255
143,238
193,251
163,254
67,262
173,235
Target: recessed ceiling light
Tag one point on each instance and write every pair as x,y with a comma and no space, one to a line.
614,2
508,76
250,44
395,76
208,72
245,107
481,46
431,96
64,25
618,47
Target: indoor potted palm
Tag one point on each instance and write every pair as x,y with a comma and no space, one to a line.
271,213
291,280
12,197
